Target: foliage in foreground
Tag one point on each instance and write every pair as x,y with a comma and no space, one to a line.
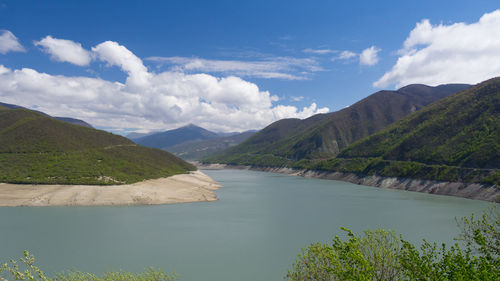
381,255
27,271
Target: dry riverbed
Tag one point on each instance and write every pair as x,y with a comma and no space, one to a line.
192,187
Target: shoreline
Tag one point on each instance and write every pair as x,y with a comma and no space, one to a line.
192,187
474,191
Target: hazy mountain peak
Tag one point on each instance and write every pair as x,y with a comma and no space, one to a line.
172,137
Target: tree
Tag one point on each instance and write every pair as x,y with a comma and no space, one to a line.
482,235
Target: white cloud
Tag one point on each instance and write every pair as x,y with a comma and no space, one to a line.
3,69
285,68
147,100
117,55
369,56
455,53
287,111
345,55
9,43
65,50
294,98
319,51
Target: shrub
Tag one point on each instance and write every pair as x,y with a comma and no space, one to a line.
381,255
369,257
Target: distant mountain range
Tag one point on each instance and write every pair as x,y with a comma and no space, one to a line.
134,135
197,150
176,136
190,142
325,135
38,149
64,119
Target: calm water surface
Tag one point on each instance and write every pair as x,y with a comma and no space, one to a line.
254,232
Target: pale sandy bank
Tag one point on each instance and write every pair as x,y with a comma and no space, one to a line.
192,187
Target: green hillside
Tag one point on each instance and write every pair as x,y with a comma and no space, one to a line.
454,139
35,148
325,135
64,119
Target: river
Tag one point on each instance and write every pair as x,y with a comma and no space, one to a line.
254,232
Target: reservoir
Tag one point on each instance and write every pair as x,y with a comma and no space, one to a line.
254,232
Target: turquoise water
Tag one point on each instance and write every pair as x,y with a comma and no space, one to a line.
254,232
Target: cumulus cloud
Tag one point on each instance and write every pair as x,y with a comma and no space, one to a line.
455,53
9,43
369,56
287,111
117,55
65,50
285,68
148,100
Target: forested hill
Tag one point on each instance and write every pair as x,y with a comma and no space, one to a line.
69,120
36,148
461,130
454,139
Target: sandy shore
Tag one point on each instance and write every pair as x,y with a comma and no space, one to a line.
192,187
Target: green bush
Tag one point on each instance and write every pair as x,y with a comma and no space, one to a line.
445,264
373,256
381,255
27,271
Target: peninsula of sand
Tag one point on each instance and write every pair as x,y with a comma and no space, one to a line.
193,187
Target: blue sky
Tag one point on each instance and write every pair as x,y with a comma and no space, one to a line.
233,65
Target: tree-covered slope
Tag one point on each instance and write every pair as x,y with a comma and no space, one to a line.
74,121
461,130
324,135
35,148
64,119
454,139
28,131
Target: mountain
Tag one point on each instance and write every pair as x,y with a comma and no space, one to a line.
9,106
176,136
325,135
454,139
64,119
74,121
197,150
35,148
134,135
224,134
